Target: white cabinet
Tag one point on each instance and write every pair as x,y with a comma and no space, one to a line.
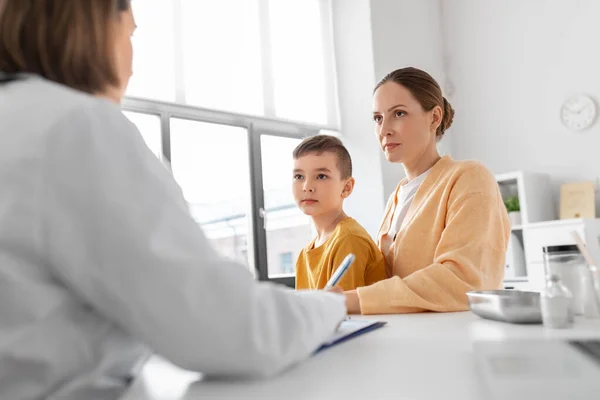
533,191
539,228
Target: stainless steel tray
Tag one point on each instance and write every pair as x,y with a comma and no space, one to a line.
512,306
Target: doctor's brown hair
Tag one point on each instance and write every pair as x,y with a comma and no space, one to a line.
65,41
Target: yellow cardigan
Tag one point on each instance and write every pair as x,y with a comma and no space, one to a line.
454,239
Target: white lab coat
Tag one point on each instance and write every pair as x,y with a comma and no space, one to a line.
100,262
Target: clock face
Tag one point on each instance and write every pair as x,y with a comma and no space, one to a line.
578,112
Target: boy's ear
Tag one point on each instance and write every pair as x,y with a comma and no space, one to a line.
348,187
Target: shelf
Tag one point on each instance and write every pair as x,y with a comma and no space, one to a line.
533,191
551,223
556,222
535,194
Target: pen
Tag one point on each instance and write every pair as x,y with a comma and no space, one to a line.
339,272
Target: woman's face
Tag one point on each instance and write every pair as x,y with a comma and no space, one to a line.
404,129
125,26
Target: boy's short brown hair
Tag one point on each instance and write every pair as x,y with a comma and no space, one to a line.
66,41
325,143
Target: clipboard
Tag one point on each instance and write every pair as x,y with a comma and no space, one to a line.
350,328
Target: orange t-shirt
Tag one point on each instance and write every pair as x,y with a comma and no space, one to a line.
316,265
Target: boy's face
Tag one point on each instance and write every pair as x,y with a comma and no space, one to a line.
318,186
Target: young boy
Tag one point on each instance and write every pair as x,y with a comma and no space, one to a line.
322,180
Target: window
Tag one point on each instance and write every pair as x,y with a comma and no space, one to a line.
222,66
203,84
287,228
270,58
210,163
286,262
297,59
153,51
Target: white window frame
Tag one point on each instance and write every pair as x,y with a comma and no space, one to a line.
332,103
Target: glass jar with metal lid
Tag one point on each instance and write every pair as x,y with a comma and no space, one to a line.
567,262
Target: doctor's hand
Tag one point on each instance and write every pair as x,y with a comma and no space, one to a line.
335,289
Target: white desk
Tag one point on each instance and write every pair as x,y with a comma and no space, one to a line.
420,356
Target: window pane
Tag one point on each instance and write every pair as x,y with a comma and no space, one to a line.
222,55
287,262
149,127
153,53
210,163
288,229
298,63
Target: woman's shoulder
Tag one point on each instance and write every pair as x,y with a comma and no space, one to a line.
469,167
470,176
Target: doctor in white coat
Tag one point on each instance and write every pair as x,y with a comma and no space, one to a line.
100,261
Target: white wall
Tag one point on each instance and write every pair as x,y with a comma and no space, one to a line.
513,63
355,78
407,33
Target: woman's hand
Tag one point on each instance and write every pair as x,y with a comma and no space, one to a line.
352,302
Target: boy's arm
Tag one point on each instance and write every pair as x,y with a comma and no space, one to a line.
376,270
302,278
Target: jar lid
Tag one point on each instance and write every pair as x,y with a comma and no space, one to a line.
565,248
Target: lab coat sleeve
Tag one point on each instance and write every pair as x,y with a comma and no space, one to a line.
118,234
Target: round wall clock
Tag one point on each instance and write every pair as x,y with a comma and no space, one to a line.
578,112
